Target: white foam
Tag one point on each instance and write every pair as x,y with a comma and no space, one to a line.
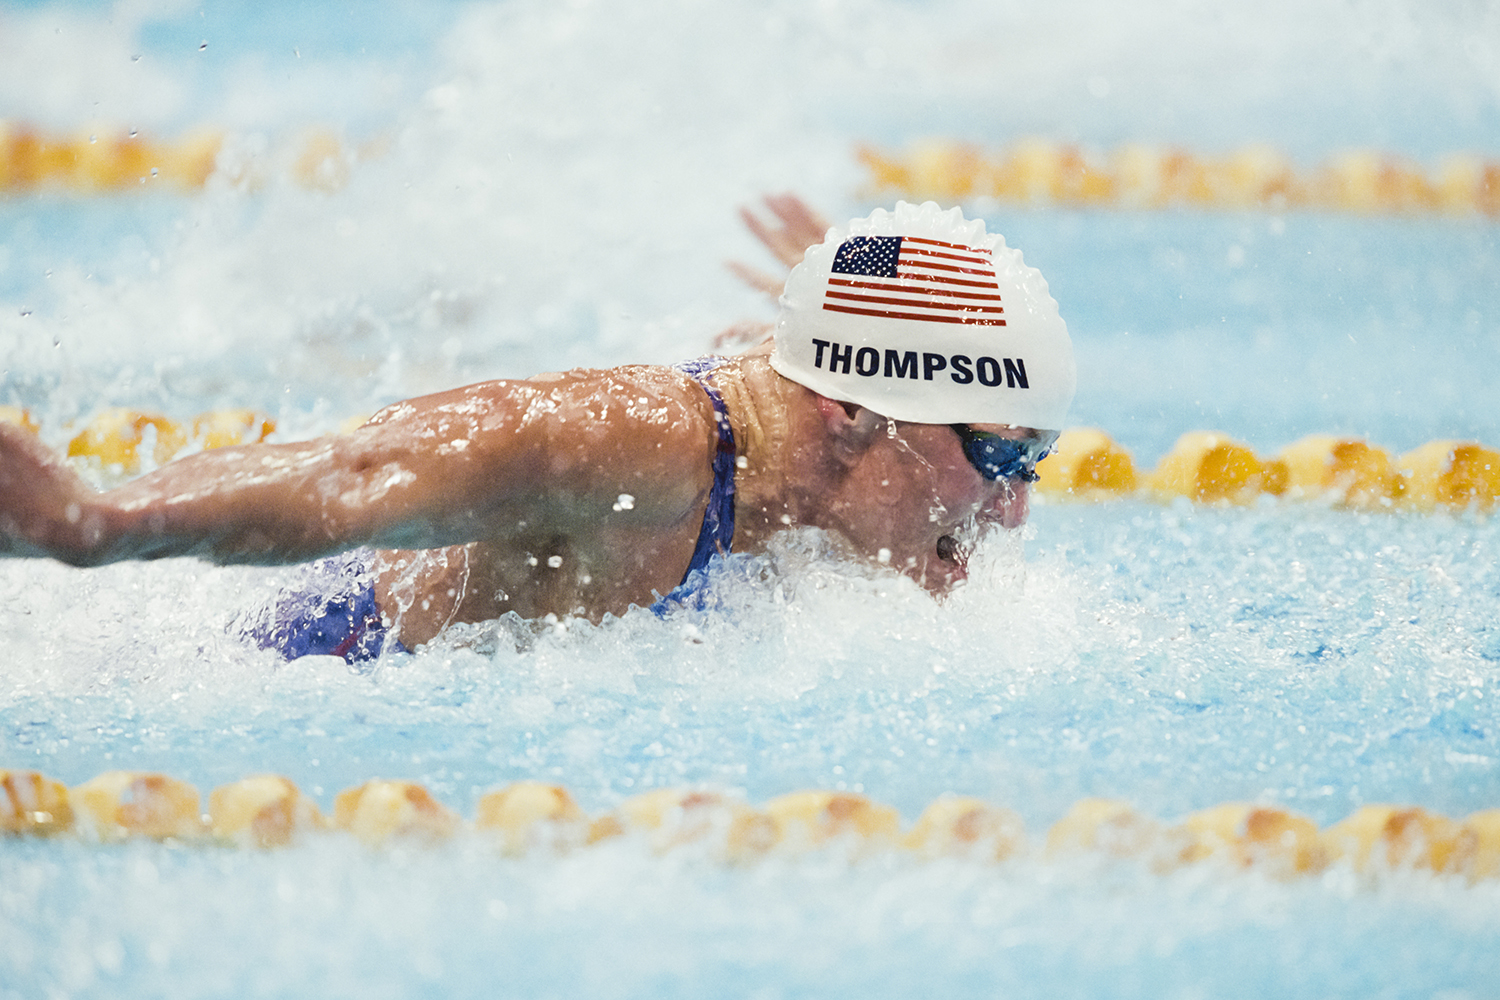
558,188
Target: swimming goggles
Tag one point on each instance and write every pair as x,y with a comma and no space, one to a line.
999,457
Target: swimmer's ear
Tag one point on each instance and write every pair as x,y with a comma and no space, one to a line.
851,428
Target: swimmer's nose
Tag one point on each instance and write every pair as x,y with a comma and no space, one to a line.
1009,505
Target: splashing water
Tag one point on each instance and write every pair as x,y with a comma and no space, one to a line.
534,185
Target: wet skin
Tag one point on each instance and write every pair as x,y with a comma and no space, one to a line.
584,490
920,490
578,493
901,497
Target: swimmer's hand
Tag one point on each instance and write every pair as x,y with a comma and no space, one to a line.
794,228
45,506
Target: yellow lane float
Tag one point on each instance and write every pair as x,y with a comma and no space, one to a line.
1209,468
955,826
528,815
1385,837
118,805
812,818
1031,170
1114,829
533,817
1085,464
34,804
1244,835
1346,471
266,810
224,428
1450,474
114,438
1481,833
91,162
32,160
378,812
21,418
674,817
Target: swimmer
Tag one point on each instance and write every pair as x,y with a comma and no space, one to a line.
917,373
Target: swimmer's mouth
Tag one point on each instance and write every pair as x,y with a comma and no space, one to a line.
951,551
954,550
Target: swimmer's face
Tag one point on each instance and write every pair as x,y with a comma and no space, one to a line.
922,491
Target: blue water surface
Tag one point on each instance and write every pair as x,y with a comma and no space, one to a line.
534,185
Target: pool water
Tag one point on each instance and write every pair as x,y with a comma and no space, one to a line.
554,184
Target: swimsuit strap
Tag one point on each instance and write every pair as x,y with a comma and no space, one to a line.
717,532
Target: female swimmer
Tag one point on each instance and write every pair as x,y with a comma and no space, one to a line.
918,372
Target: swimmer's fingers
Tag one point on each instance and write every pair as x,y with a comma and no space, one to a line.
799,228
784,247
758,280
44,507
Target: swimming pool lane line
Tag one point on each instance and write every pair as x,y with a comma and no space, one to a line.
1034,171
269,811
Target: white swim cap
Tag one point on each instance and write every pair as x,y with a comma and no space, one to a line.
920,316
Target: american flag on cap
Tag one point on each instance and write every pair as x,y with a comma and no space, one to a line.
910,277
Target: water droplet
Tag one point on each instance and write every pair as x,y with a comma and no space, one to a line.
133,133
203,46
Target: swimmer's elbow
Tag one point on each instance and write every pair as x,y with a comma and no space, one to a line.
79,537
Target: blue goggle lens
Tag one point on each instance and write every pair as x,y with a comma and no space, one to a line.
997,457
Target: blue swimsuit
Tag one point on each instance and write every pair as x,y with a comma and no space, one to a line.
334,613
717,533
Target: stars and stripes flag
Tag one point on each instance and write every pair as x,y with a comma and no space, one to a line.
909,277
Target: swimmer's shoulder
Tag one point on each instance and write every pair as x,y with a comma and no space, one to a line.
646,432
638,389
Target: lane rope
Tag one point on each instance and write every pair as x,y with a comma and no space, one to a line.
1040,172
267,811
33,159
1030,171
1212,468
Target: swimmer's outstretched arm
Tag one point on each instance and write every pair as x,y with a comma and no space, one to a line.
478,463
